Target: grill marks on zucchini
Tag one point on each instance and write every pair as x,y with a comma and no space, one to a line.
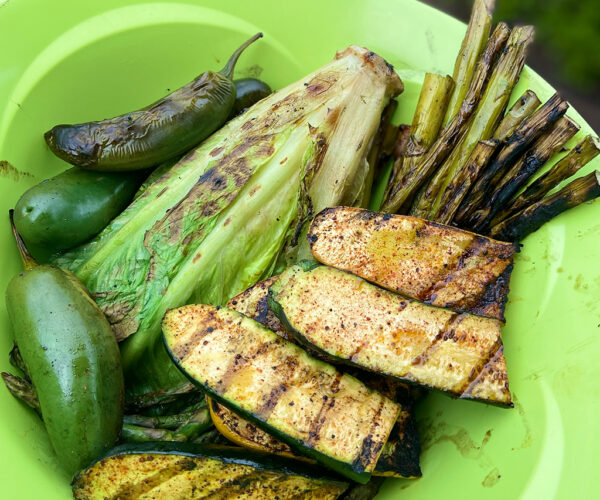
358,323
329,416
400,455
437,264
183,470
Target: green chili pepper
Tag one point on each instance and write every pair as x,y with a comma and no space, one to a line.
248,91
71,354
152,135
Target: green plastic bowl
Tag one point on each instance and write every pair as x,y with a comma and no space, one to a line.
71,61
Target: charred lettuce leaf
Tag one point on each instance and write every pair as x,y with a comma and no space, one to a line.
219,220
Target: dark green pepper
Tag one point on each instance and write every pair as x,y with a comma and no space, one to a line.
71,208
248,91
156,133
71,355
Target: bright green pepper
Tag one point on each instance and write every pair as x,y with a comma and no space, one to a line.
71,355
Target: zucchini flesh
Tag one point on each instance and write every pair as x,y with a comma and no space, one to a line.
436,264
322,413
363,325
159,470
400,454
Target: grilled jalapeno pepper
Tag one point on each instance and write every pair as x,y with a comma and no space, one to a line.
248,91
151,135
72,357
74,206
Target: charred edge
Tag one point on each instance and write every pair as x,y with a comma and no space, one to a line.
446,333
477,245
492,301
370,448
401,453
466,389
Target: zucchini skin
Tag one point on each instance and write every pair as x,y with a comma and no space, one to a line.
372,443
440,265
72,357
73,206
487,380
197,458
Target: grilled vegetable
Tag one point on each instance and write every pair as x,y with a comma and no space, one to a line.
485,119
156,133
530,219
522,109
585,151
439,265
524,135
424,129
410,185
72,207
373,329
72,358
171,421
399,457
239,198
473,44
186,470
188,431
540,152
248,91
320,412
22,390
244,433
463,179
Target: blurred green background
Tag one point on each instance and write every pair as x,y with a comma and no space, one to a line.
566,51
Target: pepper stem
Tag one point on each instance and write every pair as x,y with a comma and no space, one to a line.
28,261
227,71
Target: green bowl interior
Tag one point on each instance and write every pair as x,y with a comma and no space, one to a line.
70,61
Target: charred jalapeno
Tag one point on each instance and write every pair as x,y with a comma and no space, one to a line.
248,91
151,135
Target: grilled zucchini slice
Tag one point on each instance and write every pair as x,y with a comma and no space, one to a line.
400,455
361,324
321,413
169,470
436,264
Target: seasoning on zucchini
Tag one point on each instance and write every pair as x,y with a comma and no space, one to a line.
320,412
439,265
72,358
400,455
187,470
156,133
376,330
74,206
